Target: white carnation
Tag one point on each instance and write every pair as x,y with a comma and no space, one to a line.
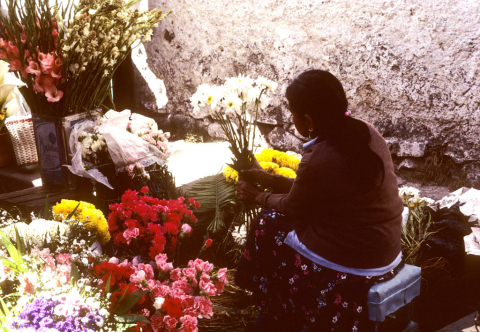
158,303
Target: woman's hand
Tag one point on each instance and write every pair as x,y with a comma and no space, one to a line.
257,174
248,192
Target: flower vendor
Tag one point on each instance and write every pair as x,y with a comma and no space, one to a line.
332,232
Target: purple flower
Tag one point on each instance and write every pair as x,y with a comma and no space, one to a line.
46,322
40,315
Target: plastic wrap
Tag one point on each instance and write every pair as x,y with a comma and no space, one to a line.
77,166
126,148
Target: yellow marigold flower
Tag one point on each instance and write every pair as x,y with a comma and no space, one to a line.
230,174
266,155
293,162
287,172
269,166
282,159
93,219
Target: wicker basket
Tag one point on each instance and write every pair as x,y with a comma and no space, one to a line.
21,132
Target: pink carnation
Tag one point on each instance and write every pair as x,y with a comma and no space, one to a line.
156,321
189,324
137,277
148,270
114,260
182,287
170,322
190,273
204,307
208,288
222,276
160,290
161,258
187,229
131,233
175,274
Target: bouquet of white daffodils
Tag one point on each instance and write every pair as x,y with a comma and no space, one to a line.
235,106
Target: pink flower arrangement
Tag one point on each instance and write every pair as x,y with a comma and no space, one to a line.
178,297
54,272
153,225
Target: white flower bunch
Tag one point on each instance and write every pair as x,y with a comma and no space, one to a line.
36,232
237,95
94,146
411,197
408,192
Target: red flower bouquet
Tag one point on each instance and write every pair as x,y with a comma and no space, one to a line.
148,226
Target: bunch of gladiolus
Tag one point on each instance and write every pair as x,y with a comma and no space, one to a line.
150,226
70,52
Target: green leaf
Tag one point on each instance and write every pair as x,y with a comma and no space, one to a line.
73,212
74,275
14,254
107,285
132,318
129,302
4,310
48,214
20,243
9,264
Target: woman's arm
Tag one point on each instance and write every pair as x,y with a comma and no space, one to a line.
256,174
302,195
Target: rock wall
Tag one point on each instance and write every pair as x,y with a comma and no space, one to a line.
410,67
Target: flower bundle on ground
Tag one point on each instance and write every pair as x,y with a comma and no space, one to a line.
67,54
149,226
417,227
91,219
273,161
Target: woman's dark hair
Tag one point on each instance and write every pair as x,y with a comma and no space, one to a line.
320,95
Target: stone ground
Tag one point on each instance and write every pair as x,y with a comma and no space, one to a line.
465,324
430,191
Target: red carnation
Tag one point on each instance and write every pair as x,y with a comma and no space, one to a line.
144,190
208,243
172,306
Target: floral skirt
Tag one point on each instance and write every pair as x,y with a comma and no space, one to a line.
294,294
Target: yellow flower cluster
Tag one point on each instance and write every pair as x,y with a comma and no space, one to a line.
2,115
286,172
273,161
269,166
93,219
230,174
279,157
